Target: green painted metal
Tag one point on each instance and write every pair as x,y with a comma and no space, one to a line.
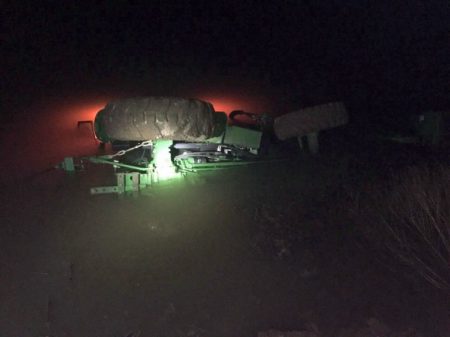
109,161
242,137
160,168
145,179
105,190
68,164
189,166
126,182
131,178
216,140
131,181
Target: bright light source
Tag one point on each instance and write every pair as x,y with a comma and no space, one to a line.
162,160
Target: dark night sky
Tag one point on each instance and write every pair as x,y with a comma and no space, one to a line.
375,55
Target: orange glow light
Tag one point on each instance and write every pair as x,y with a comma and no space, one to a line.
228,104
67,113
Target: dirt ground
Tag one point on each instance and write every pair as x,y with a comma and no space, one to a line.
175,260
207,256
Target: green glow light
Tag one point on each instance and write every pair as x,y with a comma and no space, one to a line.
162,161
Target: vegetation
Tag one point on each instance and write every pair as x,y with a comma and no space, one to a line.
407,220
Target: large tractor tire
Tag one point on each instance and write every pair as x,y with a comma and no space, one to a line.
310,120
152,118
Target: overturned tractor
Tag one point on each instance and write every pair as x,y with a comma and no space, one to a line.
164,138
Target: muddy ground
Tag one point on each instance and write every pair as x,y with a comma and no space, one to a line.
222,254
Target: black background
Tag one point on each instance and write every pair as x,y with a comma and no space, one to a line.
383,58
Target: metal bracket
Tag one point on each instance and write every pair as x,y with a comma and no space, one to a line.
105,190
126,182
